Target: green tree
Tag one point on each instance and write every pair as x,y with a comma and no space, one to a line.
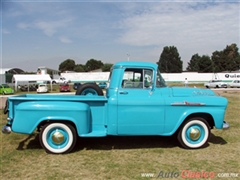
79,68
93,64
218,61
170,61
227,59
193,64
107,67
67,65
205,64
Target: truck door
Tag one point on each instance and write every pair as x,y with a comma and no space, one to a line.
140,110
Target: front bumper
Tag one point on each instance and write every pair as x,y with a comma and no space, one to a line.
225,125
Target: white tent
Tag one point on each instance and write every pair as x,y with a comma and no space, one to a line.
30,77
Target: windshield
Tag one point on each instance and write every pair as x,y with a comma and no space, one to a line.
109,77
160,82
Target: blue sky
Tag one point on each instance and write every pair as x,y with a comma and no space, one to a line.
45,33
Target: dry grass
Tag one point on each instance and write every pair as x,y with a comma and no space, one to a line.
122,157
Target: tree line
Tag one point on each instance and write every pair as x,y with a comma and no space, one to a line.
227,59
92,64
170,61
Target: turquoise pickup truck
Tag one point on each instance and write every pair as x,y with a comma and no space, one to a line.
137,102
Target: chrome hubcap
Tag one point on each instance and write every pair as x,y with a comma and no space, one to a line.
58,137
195,133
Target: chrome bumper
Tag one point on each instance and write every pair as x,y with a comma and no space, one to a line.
225,125
6,130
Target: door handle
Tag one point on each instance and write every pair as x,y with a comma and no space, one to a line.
123,92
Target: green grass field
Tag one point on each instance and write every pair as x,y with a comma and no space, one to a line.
125,157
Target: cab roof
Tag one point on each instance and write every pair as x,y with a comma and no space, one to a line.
135,64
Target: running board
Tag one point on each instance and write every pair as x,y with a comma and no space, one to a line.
95,134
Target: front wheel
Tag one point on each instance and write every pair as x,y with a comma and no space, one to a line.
58,138
194,133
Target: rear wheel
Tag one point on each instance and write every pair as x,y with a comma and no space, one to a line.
89,89
58,138
194,133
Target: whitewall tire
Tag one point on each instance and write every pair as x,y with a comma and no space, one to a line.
58,138
194,133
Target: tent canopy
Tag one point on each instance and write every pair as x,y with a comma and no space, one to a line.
30,77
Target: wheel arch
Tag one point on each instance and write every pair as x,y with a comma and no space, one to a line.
46,121
81,127
208,117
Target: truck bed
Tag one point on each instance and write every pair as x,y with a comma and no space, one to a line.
86,112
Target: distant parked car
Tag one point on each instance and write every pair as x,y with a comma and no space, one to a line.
76,85
42,88
215,84
64,87
60,80
5,89
102,85
234,83
31,87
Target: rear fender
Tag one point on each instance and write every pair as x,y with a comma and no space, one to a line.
30,114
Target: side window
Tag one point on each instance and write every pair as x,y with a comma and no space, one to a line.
137,78
131,78
160,82
148,76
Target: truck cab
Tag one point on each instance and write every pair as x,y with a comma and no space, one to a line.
137,96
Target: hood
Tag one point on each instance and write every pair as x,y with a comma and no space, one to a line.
186,92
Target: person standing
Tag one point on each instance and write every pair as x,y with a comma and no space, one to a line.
186,82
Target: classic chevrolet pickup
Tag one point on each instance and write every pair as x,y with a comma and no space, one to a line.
137,102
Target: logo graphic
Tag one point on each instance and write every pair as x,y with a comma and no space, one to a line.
232,76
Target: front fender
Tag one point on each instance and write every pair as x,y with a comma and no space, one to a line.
173,124
29,114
